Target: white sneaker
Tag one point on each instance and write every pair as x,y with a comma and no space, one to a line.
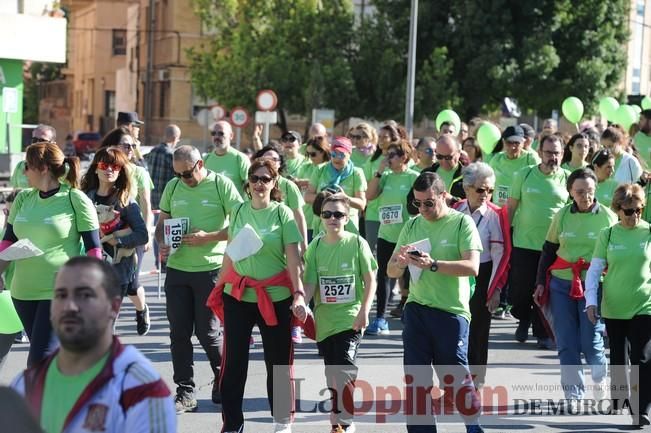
282,428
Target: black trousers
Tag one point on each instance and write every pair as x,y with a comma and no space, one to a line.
187,293
522,282
637,331
239,319
480,325
339,354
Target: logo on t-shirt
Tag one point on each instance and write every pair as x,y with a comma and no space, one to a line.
96,418
208,204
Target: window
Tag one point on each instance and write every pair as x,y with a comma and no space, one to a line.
119,42
109,103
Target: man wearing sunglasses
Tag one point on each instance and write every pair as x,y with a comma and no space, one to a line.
291,143
39,134
225,159
437,312
206,199
426,151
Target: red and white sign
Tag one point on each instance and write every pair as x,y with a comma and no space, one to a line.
266,100
240,117
218,112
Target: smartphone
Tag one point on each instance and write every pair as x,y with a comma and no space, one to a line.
415,253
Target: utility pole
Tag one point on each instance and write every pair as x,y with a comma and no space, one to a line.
411,70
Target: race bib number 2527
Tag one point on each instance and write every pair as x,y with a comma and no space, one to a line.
337,290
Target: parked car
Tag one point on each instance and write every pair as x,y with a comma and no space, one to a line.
87,142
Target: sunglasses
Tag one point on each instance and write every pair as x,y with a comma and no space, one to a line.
326,214
427,203
428,151
337,155
629,212
484,190
188,173
40,140
357,137
444,157
312,154
391,155
105,166
128,146
217,133
288,139
264,179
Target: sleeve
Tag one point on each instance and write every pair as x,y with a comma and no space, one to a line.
139,235
148,408
547,258
360,182
383,181
636,169
17,174
367,261
516,184
554,227
291,235
18,204
85,212
294,198
244,167
310,275
601,245
592,278
469,239
403,239
165,200
229,193
92,244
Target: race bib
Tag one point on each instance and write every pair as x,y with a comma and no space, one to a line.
337,290
502,192
391,214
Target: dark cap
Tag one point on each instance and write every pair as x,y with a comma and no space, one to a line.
125,117
291,136
513,133
528,130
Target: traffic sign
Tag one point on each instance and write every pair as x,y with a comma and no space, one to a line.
204,117
240,117
266,117
266,100
218,112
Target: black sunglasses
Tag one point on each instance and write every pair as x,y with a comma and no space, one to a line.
484,190
264,179
40,140
357,137
217,133
188,173
629,212
427,203
444,157
312,154
128,146
288,138
326,214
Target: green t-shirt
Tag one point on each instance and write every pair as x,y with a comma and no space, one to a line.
627,284
52,224
569,167
61,392
352,185
207,205
233,164
18,178
306,171
646,213
605,191
337,273
504,169
576,233
447,176
449,236
392,203
276,227
372,206
292,166
540,196
140,180
292,196
359,159
643,145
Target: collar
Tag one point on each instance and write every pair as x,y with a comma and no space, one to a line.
465,208
595,208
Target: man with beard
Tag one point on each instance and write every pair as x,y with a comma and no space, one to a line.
642,139
226,160
536,194
93,382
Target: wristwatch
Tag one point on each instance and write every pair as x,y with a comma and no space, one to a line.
378,174
435,266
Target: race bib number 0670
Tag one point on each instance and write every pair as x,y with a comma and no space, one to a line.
337,290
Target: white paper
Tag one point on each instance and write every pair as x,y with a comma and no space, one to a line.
245,244
21,249
174,229
425,246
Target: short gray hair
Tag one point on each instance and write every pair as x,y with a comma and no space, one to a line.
43,128
477,171
172,132
187,153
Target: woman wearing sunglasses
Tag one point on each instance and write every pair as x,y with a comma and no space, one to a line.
624,252
603,165
259,289
390,185
565,257
364,139
317,150
106,183
340,275
56,217
340,174
141,186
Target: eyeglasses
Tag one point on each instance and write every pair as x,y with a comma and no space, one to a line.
484,190
326,214
444,157
105,166
629,212
312,154
128,146
357,137
40,140
337,155
217,133
188,173
427,203
264,179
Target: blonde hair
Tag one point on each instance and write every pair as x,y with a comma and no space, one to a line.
367,129
626,194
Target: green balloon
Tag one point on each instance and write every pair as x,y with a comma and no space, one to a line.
646,103
9,321
488,135
573,109
608,107
625,116
448,116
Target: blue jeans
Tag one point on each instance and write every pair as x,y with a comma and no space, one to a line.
436,337
575,334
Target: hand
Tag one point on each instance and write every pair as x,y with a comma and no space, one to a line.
361,321
494,301
423,262
591,311
402,258
148,246
197,237
164,251
538,293
299,309
302,183
257,131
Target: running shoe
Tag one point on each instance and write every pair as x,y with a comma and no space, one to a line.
142,321
380,326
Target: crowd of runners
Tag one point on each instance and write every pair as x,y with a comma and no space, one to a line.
300,236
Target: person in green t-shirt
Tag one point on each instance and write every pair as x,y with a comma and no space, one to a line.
42,133
471,148
576,152
291,142
340,275
226,160
603,164
537,193
390,189
624,252
441,247
260,284
197,204
425,151
364,138
642,139
317,151
565,257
